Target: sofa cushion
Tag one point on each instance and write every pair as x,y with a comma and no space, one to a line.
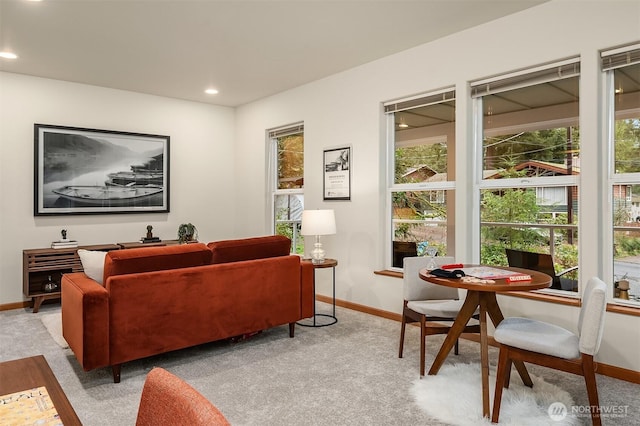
93,264
249,248
147,259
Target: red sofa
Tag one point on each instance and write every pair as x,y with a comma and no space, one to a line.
160,299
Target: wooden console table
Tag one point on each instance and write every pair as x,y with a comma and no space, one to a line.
29,373
40,264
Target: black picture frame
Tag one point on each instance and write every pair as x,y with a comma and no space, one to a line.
92,171
337,174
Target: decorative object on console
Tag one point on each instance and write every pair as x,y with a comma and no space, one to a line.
187,232
49,286
149,238
64,242
318,222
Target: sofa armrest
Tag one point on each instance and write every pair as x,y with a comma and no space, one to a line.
85,319
307,294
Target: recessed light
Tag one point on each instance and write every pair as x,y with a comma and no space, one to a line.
8,55
211,91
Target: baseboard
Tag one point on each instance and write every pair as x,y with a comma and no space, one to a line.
604,369
15,305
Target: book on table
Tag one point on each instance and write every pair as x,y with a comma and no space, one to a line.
489,273
30,406
64,244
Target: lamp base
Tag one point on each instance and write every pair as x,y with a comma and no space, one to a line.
317,254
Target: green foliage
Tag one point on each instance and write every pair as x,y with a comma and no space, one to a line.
551,145
187,232
627,146
512,206
286,229
564,257
433,156
493,254
626,246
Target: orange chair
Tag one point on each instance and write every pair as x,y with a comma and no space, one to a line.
168,400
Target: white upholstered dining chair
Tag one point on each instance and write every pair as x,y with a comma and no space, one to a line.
552,346
429,304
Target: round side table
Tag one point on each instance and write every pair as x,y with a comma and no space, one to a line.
322,320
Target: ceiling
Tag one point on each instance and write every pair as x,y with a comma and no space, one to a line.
245,49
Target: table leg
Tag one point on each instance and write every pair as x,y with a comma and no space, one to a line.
37,302
484,355
466,312
493,309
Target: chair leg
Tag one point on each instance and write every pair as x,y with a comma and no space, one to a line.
507,377
501,375
455,348
423,344
402,328
592,389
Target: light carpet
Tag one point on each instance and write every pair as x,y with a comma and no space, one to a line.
53,323
454,396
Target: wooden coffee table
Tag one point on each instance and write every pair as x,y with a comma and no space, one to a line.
28,373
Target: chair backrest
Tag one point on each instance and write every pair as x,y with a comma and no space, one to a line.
592,313
540,262
168,400
415,288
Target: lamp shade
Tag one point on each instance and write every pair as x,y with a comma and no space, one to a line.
318,222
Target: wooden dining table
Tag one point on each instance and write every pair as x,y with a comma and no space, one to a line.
482,294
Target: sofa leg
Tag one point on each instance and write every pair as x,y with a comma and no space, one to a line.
292,327
116,372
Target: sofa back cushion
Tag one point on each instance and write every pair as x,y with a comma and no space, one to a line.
249,248
148,259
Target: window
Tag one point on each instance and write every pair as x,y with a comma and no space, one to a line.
286,181
621,69
421,154
529,162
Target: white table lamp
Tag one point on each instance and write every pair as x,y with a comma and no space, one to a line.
318,222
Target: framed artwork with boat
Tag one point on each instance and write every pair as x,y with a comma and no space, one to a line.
91,171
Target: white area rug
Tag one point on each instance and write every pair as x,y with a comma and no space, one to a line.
53,323
454,396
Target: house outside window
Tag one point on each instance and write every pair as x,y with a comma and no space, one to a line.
421,153
621,68
528,166
286,182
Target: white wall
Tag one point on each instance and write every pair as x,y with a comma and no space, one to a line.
346,109
201,168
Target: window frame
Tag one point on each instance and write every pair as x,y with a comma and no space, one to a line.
272,136
611,60
390,108
511,81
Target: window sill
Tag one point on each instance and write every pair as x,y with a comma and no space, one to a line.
544,297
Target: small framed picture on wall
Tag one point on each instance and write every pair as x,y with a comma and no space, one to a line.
337,174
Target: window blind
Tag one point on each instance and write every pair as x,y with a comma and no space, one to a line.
419,101
620,57
528,77
279,132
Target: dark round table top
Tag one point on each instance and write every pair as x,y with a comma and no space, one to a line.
538,281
